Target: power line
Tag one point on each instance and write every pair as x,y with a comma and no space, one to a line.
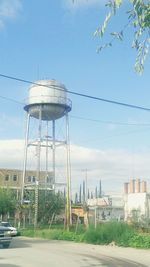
11,99
87,119
110,122
101,139
79,94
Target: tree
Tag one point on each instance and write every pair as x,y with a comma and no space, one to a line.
80,194
50,205
138,16
7,202
76,198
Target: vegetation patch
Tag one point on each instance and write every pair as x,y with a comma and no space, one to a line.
121,234
140,241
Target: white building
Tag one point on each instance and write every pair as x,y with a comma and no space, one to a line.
107,208
136,201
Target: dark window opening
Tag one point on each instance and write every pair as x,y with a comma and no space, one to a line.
6,177
29,179
48,179
14,177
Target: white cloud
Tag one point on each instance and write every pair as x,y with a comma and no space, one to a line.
11,153
9,9
110,165
11,122
82,3
114,167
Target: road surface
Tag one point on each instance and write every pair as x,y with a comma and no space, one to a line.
27,252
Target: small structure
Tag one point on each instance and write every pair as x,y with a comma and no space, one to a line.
78,214
106,208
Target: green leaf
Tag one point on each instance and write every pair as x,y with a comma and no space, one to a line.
100,31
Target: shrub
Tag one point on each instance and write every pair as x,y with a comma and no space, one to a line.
140,241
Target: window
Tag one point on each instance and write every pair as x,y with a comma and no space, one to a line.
33,179
29,179
14,177
7,177
49,179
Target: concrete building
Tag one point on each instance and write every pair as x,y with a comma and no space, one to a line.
12,178
136,201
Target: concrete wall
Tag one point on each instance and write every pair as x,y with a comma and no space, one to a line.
137,204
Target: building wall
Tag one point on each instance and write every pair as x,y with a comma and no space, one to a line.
111,200
13,178
106,208
105,214
137,204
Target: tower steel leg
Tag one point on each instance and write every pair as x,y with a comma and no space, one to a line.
46,176
25,156
54,150
38,167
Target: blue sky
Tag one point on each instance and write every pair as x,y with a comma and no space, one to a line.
54,39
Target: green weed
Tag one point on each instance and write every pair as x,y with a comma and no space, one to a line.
121,234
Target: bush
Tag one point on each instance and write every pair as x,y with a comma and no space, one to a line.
140,241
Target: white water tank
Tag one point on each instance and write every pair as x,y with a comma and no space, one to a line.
51,97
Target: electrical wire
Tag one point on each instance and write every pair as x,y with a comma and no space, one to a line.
109,137
110,122
78,94
12,100
77,117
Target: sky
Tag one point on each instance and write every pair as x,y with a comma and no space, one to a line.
55,40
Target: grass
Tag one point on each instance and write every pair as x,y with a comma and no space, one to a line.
121,234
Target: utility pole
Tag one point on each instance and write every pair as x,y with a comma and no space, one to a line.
68,177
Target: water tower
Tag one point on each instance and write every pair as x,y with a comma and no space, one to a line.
47,102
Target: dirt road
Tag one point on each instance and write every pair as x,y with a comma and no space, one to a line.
27,252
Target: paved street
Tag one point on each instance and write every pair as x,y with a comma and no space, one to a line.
26,252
